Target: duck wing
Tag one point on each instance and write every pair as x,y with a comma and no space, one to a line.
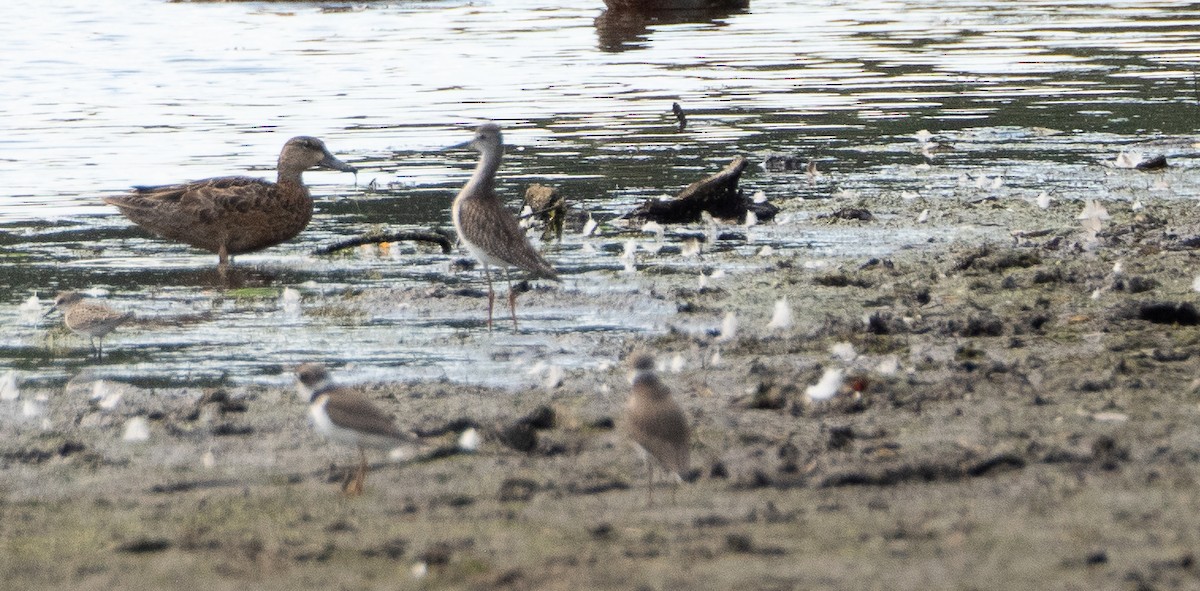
224,193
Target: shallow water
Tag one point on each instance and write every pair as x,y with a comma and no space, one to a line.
103,95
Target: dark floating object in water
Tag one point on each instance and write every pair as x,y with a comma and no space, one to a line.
443,241
851,213
784,162
679,115
669,5
1156,163
718,194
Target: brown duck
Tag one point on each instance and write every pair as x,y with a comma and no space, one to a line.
235,214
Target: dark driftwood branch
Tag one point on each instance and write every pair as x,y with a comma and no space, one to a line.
718,195
413,235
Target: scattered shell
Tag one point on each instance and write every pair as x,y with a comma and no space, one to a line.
107,398
677,363
728,328
924,217
654,228
781,319
844,352
30,310
289,302
32,409
889,365
136,429
553,378
1043,200
827,386
468,441
10,391
1092,210
1127,160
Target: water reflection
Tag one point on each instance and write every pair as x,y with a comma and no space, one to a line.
623,30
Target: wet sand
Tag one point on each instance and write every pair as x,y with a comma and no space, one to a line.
1016,415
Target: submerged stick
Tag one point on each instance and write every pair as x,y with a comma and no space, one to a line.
412,235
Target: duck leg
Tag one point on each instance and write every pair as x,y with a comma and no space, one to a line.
223,263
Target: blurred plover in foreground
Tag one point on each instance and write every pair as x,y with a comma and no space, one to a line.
348,417
656,423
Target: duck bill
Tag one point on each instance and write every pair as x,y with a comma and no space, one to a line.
52,310
331,161
459,146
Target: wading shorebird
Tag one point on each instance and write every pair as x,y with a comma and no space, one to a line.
486,228
86,318
657,424
347,417
236,214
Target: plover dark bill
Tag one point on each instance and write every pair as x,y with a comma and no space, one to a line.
488,230
656,423
88,318
235,214
347,417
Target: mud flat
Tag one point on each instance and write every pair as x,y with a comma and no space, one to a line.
1019,411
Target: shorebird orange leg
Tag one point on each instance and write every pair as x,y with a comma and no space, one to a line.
491,295
512,299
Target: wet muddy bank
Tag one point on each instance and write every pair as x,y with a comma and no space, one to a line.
1016,412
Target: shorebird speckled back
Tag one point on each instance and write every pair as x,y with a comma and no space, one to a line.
236,214
656,423
347,417
488,230
86,318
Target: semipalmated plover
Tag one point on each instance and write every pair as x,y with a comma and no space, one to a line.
348,417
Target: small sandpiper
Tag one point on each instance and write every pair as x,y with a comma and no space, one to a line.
348,417
486,228
88,318
656,423
234,214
